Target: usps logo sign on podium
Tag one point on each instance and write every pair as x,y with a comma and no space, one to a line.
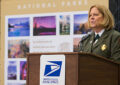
52,70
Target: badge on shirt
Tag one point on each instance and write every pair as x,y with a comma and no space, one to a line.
103,47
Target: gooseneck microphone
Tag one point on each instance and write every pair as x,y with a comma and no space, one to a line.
80,44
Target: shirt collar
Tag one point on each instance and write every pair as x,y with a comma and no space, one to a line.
100,33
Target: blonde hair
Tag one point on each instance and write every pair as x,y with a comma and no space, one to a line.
108,22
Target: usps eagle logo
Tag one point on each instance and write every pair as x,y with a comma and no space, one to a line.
53,68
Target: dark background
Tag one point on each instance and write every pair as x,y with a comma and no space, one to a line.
114,6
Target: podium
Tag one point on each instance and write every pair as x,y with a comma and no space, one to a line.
80,69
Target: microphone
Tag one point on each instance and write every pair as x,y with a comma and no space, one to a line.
80,44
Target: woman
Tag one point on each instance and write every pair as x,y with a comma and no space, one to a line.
104,40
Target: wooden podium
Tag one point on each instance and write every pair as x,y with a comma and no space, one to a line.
80,69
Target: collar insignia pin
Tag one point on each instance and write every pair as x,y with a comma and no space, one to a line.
90,42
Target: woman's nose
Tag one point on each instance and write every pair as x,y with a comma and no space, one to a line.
92,17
